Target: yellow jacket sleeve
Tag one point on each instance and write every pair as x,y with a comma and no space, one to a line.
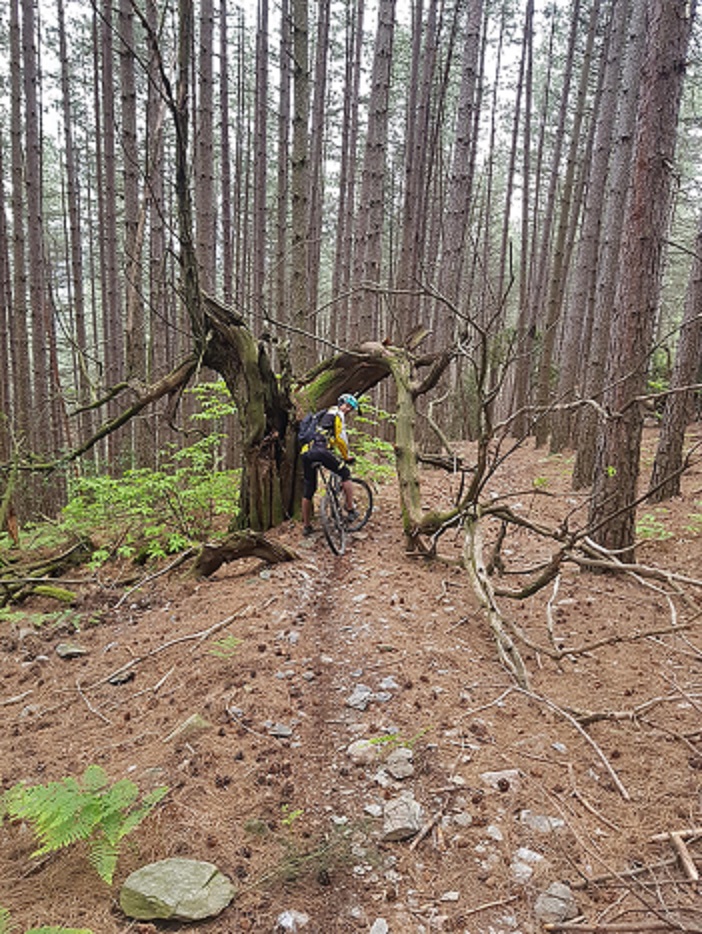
338,439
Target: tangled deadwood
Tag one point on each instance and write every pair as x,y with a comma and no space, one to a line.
244,544
20,581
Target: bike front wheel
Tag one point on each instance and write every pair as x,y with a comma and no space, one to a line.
363,504
332,524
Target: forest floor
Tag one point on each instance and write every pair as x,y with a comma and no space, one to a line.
287,814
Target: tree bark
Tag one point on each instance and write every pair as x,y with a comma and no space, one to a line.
612,513
595,356
667,467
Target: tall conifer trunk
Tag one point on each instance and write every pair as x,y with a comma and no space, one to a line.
612,514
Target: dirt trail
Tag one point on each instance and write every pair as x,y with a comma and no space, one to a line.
290,817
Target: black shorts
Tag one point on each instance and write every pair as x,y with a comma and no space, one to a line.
324,456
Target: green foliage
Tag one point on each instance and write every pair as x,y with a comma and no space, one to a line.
60,619
290,815
375,458
215,402
154,512
650,526
225,647
694,524
64,812
660,370
394,740
52,930
6,927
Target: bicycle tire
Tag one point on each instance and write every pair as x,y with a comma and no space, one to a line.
332,523
363,503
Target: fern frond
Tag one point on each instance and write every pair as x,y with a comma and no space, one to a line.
5,925
64,812
103,858
132,821
51,930
94,779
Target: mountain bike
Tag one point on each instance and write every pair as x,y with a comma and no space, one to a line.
332,513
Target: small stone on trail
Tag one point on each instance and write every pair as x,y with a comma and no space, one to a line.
188,728
402,818
556,905
523,863
360,697
379,926
70,650
399,763
363,752
505,780
540,823
292,920
280,731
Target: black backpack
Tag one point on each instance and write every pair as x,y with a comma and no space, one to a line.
310,428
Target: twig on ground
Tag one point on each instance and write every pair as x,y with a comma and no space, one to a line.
595,813
634,927
183,556
586,736
626,873
89,705
199,636
488,905
549,612
430,824
686,860
16,699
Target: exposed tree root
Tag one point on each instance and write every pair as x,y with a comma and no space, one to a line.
506,648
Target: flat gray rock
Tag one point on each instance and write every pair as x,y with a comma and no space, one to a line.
178,889
556,905
402,818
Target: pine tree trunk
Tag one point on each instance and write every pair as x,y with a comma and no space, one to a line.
612,513
300,188
369,218
610,242
577,330
667,467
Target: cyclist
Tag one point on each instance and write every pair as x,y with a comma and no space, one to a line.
329,447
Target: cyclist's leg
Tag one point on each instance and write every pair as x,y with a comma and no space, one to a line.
344,475
309,486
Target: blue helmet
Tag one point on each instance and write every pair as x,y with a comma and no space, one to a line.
348,399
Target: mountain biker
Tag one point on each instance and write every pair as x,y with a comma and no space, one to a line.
329,447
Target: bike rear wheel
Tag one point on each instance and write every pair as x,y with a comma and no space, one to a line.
363,504
332,523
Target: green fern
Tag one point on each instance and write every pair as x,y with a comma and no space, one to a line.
70,810
51,930
6,927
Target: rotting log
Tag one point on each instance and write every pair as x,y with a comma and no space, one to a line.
243,544
20,581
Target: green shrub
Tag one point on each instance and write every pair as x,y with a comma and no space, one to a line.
375,458
154,512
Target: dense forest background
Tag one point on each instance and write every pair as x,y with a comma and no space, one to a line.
520,178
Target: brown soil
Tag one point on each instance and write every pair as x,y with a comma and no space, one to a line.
286,818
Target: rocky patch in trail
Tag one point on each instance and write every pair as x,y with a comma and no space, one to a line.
342,743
